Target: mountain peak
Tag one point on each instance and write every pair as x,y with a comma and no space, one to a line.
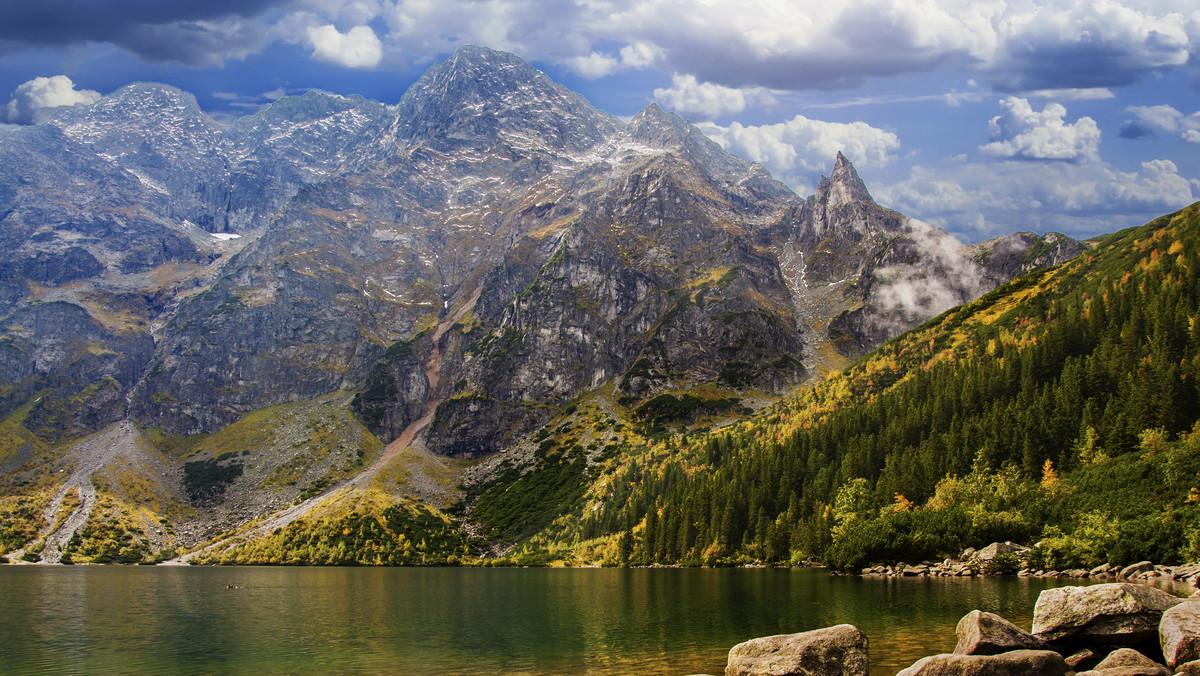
658,128
479,95
843,185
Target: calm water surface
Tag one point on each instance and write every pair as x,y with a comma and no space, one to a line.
442,621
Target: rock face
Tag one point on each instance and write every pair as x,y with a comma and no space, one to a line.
1015,663
1116,613
981,633
833,651
1179,633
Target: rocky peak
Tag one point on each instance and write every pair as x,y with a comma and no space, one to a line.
480,96
658,129
119,122
842,186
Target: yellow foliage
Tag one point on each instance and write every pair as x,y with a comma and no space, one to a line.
1049,475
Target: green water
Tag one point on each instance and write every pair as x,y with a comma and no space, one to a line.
441,621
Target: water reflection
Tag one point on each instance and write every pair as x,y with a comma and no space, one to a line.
463,621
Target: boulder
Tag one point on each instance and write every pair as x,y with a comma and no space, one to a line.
1082,659
1015,663
1189,668
1120,613
981,633
997,548
833,651
1102,569
1134,568
1127,662
1179,633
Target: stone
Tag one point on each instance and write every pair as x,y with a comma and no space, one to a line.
1189,668
998,548
1082,659
1179,633
1118,612
1015,663
1099,570
1134,568
981,633
1128,657
832,651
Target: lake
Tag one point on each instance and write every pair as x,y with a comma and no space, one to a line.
442,621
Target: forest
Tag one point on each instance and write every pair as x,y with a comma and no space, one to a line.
1060,409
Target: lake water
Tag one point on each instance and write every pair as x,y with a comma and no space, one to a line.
441,621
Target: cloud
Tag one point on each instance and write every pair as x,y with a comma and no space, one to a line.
794,151
35,101
1091,94
1148,120
594,65
981,200
192,33
687,95
358,47
1022,133
781,45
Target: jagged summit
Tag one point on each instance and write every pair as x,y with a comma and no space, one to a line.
480,95
843,185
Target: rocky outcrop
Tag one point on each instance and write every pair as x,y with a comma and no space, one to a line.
981,633
833,651
1115,613
1179,633
1014,663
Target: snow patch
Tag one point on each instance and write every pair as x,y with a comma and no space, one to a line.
224,236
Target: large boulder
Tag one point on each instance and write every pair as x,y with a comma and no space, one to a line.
981,633
833,651
998,548
1015,663
1118,613
1179,633
1127,662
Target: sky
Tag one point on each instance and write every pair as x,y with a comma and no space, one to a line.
984,117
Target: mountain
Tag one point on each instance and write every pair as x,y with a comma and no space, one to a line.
266,306
1062,407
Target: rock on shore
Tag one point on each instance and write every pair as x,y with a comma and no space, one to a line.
833,651
1074,628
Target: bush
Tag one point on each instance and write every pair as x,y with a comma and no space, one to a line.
1002,564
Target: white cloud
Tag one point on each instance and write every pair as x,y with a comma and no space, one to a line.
795,149
979,200
1023,133
1150,119
1091,94
1162,118
358,47
687,95
33,102
594,65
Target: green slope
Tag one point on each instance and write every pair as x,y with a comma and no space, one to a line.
1059,406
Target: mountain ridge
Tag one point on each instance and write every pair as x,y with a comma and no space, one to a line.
308,252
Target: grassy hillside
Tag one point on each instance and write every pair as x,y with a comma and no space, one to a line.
1059,407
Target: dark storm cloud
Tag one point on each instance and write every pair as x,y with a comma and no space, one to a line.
193,33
